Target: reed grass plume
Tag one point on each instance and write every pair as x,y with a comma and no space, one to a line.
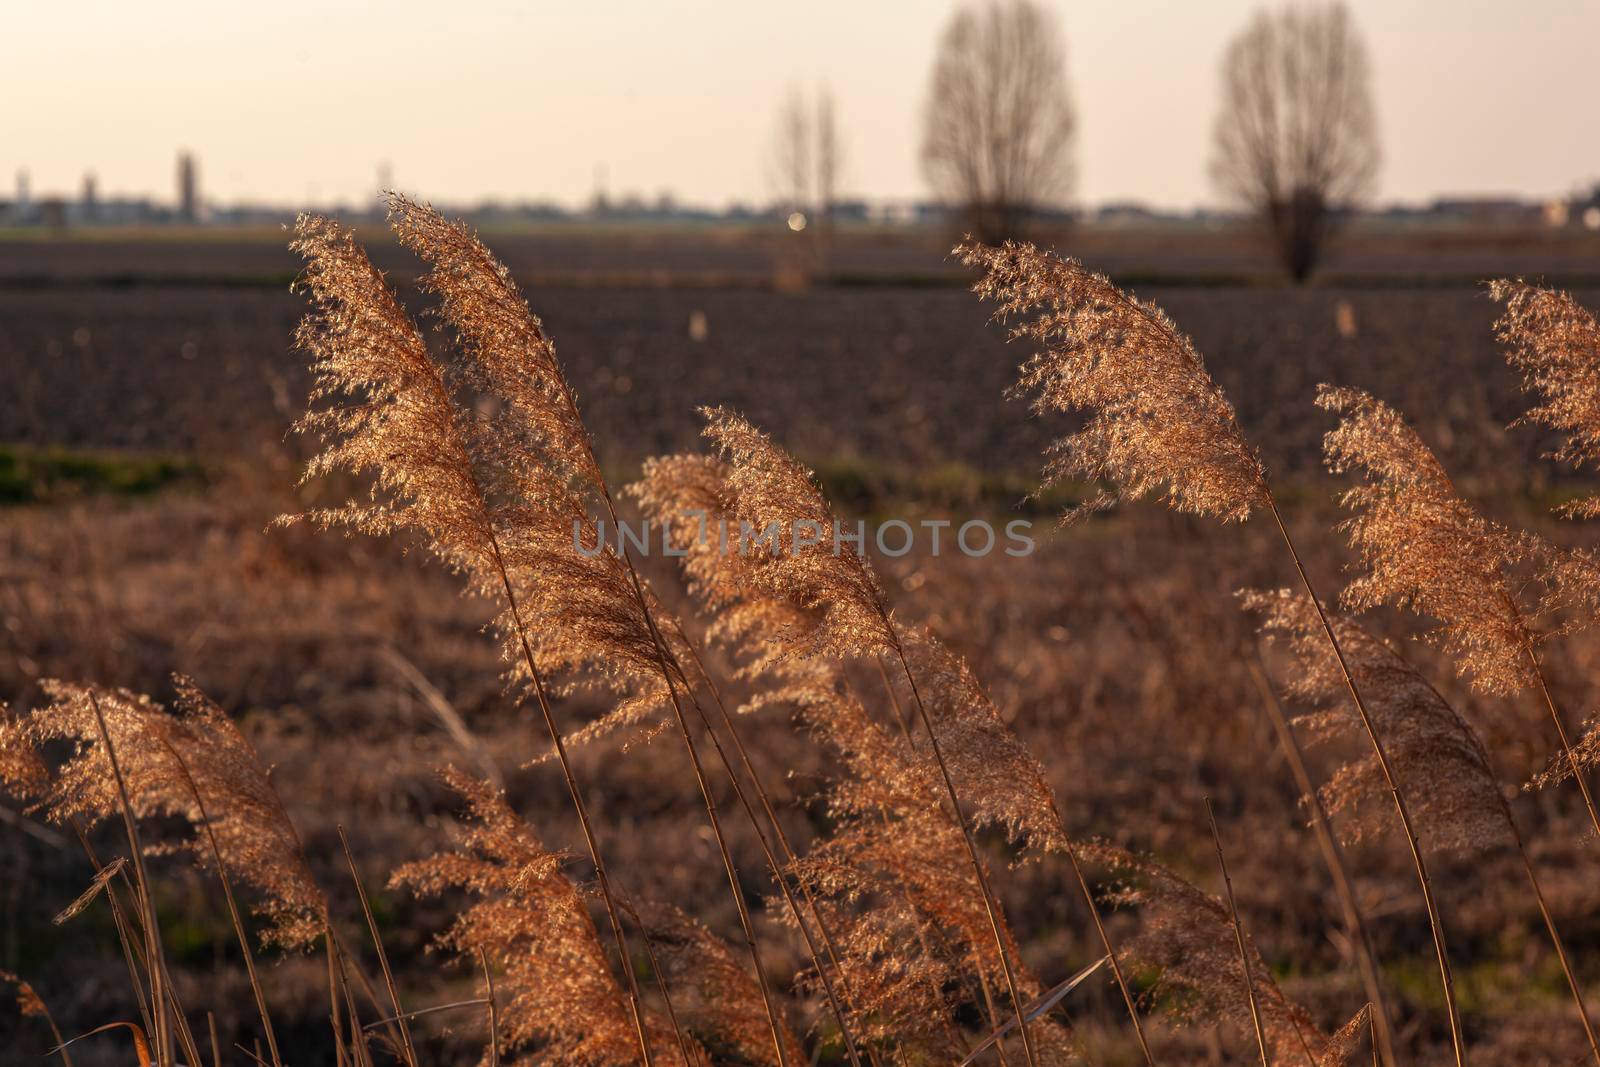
772,615
558,999
1456,799
23,772
766,488
1424,547
255,837
1555,343
494,499
892,876
29,1003
503,345
715,997
32,1006
893,845
1585,753
915,940
1454,795
1156,422
690,498
571,605
1187,937
771,618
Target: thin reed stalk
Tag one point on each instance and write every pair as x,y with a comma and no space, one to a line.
408,1050
712,817
1238,934
1333,858
152,934
335,1020
233,911
1435,925
31,1004
778,871
127,936
989,905
575,793
1556,941
661,983
1579,774
494,1011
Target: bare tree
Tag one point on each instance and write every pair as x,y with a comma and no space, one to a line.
1296,138
807,160
829,155
808,153
792,153
999,123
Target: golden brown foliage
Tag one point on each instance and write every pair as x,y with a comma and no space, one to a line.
1455,798
715,997
22,772
503,343
770,617
558,999
491,498
1555,343
1156,420
1188,935
766,489
1424,547
257,841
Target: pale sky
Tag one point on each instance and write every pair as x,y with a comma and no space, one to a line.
467,99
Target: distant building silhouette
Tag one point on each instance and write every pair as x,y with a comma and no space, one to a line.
24,200
91,200
188,188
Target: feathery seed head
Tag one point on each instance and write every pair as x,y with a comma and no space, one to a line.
502,501
1555,342
391,415
558,997
165,761
1453,793
28,1001
767,489
506,350
22,772
1156,420
714,996
1188,935
1424,547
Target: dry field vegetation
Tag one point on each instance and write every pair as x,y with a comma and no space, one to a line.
1274,766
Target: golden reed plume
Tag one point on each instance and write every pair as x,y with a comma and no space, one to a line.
1156,420
532,923
815,595
1427,549
1187,936
1555,342
391,416
175,765
1459,804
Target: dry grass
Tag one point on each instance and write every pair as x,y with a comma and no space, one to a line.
914,861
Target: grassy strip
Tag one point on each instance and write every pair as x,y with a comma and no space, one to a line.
33,475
